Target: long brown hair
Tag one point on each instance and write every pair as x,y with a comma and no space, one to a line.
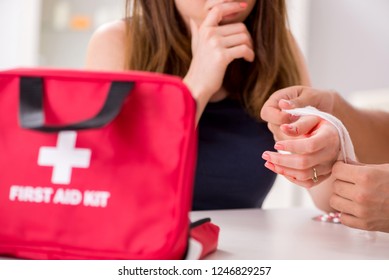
159,41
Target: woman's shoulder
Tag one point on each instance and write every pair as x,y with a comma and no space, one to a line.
106,49
111,30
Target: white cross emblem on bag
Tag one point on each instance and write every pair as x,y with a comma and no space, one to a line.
64,157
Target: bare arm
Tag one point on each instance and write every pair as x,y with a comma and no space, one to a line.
322,192
106,50
307,153
369,130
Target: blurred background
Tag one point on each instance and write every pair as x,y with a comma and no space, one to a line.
345,43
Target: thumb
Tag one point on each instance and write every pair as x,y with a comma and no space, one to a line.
299,102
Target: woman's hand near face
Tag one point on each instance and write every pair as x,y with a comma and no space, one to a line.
214,47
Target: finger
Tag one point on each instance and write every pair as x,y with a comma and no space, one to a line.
346,172
287,98
310,183
298,97
241,51
271,113
301,175
194,31
231,29
343,205
302,126
236,40
325,136
286,104
212,3
291,97
307,161
352,221
216,14
307,183
344,189
278,135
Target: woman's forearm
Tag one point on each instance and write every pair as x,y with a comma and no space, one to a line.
369,130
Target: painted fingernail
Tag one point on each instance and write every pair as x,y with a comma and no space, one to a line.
266,156
243,4
292,128
293,118
279,147
270,166
288,102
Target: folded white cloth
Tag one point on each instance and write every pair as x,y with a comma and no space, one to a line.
346,145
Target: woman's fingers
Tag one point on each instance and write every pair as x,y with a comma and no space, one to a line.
237,39
309,183
300,161
212,3
241,51
343,205
309,157
213,52
323,170
325,136
304,125
217,12
231,29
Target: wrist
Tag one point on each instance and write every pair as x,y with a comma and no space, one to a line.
338,105
198,91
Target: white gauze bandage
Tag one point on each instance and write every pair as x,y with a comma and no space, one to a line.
346,145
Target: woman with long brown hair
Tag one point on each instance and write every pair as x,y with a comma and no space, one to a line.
232,55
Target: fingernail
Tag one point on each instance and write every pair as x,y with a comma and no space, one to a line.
266,156
243,4
292,128
270,166
293,118
279,147
288,102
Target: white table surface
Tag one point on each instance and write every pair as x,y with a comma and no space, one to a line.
286,234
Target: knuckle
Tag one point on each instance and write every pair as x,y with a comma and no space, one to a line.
247,49
361,198
217,10
362,212
368,225
219,56
241,27
279,170
337,187
310,146
214,41
365,178
335,169
246,37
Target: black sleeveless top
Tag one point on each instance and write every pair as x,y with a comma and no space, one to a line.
230,170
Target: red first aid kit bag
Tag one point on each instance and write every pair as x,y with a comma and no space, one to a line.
97,165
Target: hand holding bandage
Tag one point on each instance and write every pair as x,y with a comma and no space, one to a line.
360,192
312,150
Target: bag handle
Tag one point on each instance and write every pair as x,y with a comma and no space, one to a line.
31,112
